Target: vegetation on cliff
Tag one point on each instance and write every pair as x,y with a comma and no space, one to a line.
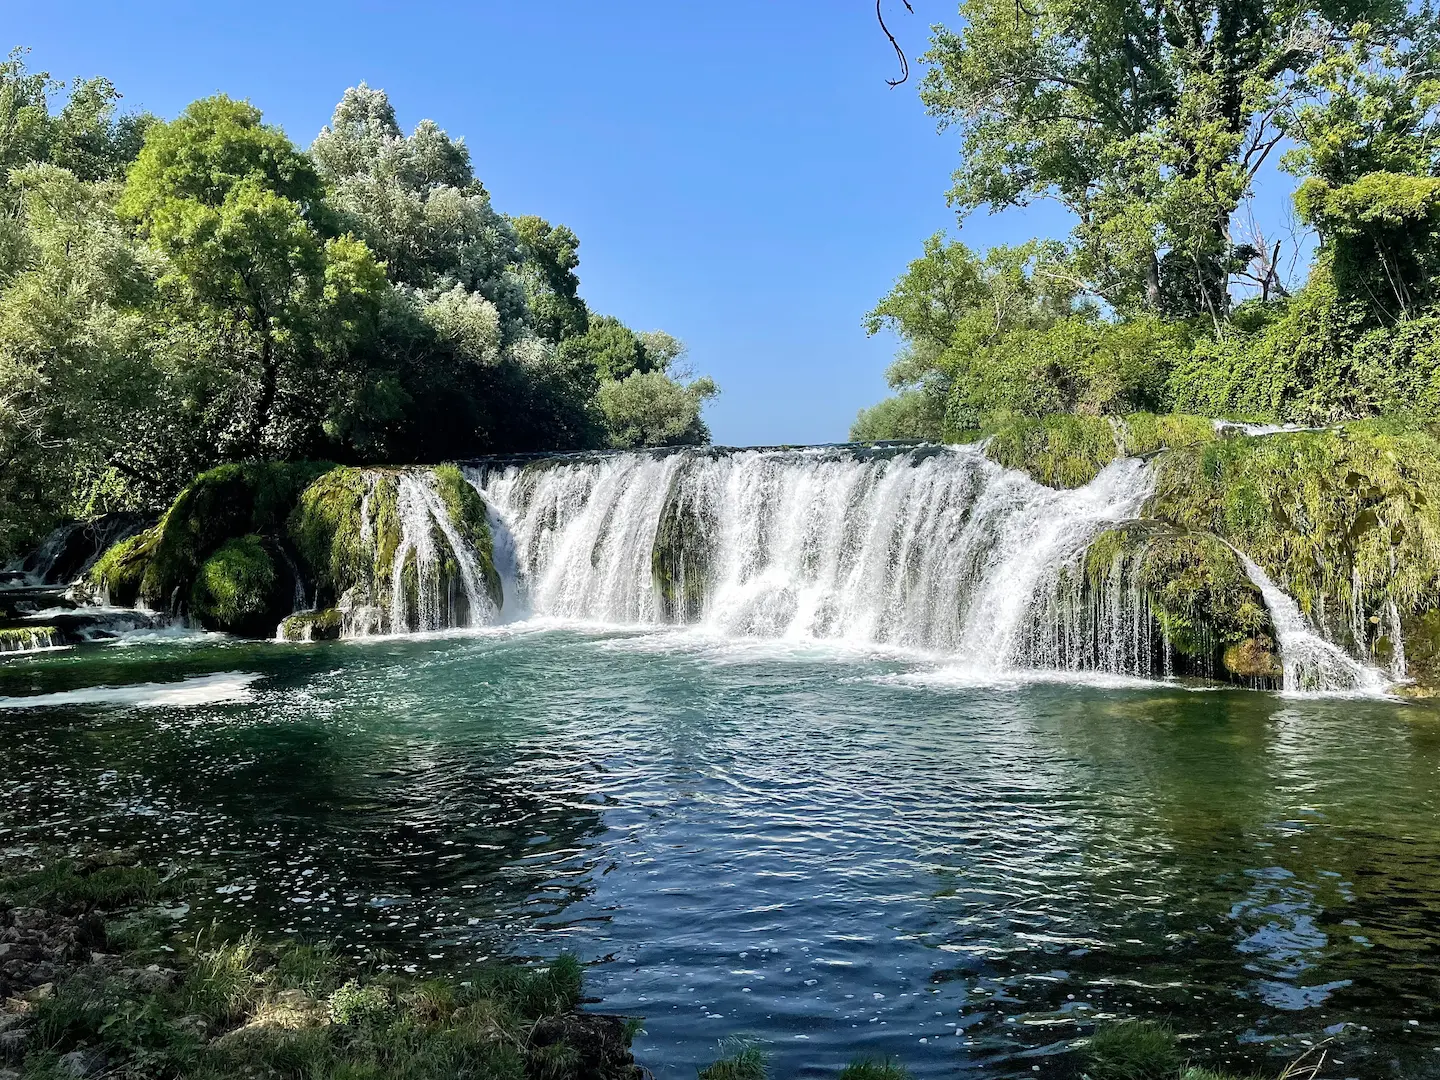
179,294
1155,130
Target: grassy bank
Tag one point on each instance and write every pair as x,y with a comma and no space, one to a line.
97,978
95,983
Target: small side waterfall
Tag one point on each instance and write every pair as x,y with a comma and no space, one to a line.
1310,662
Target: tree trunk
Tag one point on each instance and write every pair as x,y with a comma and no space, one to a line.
1152,283
265,400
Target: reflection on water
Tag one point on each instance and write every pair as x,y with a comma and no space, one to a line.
839,853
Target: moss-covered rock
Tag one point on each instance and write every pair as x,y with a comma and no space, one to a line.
1068,451
681,558
1346,520
116,576
25,638
1211,619
239,588
160,567
1421,634
312,626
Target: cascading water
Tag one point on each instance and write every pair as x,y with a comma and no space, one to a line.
934,549
425,575
1309,661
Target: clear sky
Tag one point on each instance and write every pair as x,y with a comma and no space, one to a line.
738,173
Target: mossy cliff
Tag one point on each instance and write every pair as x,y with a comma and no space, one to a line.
241,541
1345,519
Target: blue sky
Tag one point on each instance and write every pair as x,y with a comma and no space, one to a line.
739,174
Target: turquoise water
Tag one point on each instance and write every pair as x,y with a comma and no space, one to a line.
838,853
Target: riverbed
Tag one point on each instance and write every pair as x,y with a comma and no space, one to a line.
835,851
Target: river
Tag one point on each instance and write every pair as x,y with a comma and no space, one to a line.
835,849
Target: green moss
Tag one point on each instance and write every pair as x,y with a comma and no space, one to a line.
237,588
467,511
1063,451
1422,651
1069,450
312,626
117,574
1135,1050
1345,520
219,505
327,527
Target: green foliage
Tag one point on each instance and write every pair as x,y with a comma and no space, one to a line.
1133,1050
235,588
326,528
356,1005
910,414
175,295
650,409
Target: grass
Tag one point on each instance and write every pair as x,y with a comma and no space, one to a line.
222,1007
72,887
745,1061
871,1069
1134,1050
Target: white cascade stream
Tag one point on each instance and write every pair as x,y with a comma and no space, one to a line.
1310,663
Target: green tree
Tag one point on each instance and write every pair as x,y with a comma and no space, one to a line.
549,256
1148,122
239,213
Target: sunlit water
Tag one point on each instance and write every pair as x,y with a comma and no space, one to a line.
836,852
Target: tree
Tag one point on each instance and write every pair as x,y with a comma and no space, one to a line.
416,201
549,256
240,215
647,409
1149,122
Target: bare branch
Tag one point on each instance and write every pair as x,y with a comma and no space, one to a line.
899,52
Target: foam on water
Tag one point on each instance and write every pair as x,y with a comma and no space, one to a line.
200,690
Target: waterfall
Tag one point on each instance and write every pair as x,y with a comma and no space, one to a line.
1309,661
937,549
433,580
